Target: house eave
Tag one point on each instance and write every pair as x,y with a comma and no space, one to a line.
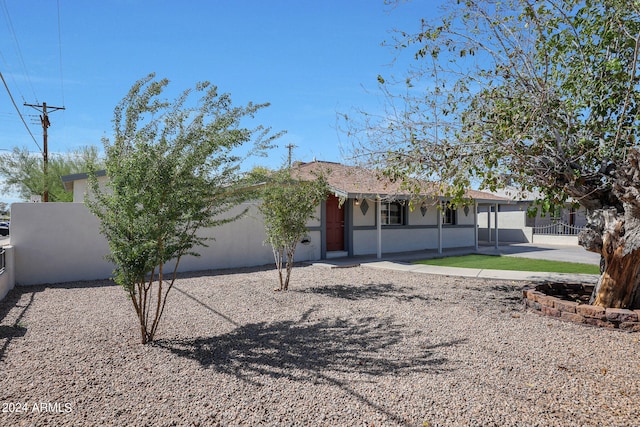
390,197
68,180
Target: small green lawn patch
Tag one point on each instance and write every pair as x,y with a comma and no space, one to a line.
491,262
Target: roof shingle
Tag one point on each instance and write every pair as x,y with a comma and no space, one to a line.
355,181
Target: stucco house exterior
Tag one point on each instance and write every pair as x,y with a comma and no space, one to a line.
363,215
78,184
366,214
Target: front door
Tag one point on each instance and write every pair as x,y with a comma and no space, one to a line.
335,224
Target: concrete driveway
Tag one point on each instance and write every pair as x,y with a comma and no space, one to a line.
549,252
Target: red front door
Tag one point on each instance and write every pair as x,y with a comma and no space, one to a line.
335,225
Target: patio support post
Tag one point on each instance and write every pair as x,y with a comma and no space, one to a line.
379,225
475,224
496,223
439,219
489,222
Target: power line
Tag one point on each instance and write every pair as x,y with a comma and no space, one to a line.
17,46
18,110
6,66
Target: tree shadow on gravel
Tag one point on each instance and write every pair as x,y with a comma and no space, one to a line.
510,293
504,296
297,349
21,301
368,291
325,351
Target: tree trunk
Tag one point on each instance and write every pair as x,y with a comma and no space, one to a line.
615,234
291,251
618,285
278,255
616,240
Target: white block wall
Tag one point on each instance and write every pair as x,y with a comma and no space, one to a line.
60,242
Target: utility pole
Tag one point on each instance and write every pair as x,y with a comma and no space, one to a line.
44,120
290,147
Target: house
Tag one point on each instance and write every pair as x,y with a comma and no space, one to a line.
78,183
366,214
363,215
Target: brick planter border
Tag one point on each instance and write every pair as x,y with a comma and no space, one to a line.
537,300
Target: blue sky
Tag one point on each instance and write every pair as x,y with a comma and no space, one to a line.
309,59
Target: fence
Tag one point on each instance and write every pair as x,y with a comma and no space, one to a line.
557,229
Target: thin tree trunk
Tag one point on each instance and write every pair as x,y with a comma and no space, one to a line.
156,318
136,306
143,307
291,250
147,298
278,255
166,294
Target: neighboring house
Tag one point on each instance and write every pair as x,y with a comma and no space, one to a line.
78,184
516,225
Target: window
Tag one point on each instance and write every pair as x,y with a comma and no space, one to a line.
392,213
448,214
556,213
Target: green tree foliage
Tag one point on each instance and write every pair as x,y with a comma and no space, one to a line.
172,171
540,95
287,206
23,172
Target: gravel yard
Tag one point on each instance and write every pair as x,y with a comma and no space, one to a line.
345,347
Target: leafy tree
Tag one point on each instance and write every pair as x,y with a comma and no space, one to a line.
23,171
542,95
287,206
172,171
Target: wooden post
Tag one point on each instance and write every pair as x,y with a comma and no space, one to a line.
44,120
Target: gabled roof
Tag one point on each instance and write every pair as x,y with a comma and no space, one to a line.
358,182
345,181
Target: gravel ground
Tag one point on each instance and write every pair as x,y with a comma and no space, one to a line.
345,347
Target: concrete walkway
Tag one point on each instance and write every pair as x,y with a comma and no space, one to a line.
402,262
